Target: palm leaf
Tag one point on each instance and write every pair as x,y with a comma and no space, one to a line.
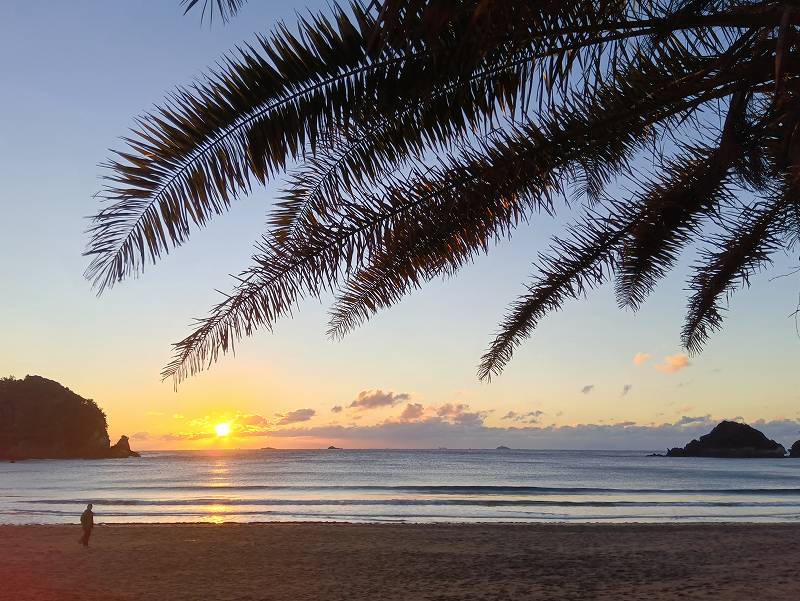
226,9
745,245
418,132
690,189
576,264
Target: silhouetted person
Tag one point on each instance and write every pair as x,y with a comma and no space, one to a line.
87,523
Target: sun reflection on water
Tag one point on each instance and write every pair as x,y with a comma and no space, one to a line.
218,474
217,514
218,477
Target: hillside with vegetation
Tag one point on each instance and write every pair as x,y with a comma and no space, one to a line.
41,419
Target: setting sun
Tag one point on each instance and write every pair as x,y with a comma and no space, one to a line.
222,429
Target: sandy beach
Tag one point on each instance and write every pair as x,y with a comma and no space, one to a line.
274,562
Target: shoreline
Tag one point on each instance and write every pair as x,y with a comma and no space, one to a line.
673,522
280,561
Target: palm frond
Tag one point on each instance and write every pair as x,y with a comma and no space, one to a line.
575,264
192,157
440,244
689,189
226,9
744,246
346,163
419,132
515,171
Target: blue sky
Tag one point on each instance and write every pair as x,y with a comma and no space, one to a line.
74,77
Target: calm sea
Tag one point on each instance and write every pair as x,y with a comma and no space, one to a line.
401,486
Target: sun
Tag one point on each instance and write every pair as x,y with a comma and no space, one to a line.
222,429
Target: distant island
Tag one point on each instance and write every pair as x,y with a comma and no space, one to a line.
733,440
502,448
333,448
41,419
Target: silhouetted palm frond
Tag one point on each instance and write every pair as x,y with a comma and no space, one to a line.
419,132
744,246
584,260
225,9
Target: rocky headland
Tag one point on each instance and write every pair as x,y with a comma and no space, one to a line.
731,440
41,419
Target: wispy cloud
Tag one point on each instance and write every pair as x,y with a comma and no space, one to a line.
587,389
531,417
374,399
672,364
687,420
336,409
641,358
173,436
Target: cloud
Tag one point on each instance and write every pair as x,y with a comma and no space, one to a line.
531,417
183,436
673,363
374,399
336,409
687,420
412,412
458,413
456,425
246,425
641,358
299,415
252,420
587,389
626,389
434,432
242,425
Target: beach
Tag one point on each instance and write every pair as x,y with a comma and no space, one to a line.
481,562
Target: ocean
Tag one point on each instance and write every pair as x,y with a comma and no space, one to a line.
401,486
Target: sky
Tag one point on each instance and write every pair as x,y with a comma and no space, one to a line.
74,76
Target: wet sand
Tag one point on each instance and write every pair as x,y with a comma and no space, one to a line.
331,562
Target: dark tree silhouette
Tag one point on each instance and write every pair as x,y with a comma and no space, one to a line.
417,133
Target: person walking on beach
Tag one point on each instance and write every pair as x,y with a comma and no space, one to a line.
87,523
